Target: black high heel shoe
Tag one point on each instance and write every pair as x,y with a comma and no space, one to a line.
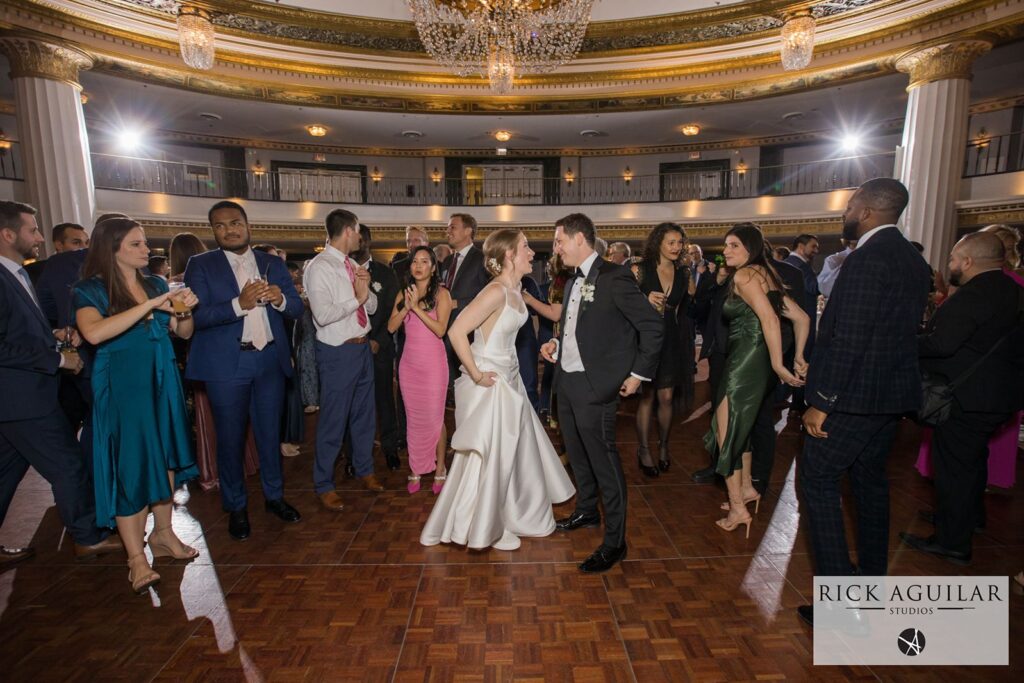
663,461
648,470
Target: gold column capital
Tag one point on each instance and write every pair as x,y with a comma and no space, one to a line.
31,57
942,62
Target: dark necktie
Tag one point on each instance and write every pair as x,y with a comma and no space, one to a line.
449,278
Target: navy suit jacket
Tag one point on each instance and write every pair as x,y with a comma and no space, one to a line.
61,273
865,357
811,291
215,347
28,359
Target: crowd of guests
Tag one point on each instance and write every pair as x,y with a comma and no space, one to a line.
139,372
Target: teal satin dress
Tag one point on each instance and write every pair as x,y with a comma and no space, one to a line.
746,380
141,429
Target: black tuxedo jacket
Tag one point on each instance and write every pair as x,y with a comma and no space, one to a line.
793,279
865,356
618,333
964,328
470,278
28,359
383,276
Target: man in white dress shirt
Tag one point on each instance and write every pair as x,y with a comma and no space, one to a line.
342,302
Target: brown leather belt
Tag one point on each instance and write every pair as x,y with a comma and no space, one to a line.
357,340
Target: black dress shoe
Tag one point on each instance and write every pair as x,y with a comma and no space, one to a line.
929,546
394,464
704,476
238,525
578,520
929,516
282,510
12,555
602,560
806,614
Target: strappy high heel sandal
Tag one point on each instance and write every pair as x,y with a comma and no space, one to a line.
438,483
142,583
163,550
663,461
648,470
756,500
725,525
414,484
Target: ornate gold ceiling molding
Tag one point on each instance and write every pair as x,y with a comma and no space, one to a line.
31,57
942,62
980,216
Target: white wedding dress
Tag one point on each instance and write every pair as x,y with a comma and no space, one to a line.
505,474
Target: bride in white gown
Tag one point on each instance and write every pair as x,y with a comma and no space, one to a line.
505,474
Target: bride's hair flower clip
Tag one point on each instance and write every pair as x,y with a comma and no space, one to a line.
493,266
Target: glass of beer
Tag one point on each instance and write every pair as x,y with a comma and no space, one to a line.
180,309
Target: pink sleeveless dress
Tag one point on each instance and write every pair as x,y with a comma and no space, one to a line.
423,380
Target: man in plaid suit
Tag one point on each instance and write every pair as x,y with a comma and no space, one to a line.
864,375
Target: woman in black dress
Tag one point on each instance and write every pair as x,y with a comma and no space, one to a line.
666,285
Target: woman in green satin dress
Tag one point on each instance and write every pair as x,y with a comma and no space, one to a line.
141,434
753,355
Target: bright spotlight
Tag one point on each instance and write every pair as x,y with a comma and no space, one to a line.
129,140
851,142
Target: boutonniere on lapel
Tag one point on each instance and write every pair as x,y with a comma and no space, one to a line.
587,291
376,287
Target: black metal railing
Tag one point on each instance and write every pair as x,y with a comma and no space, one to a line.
988,156
346,187
10,161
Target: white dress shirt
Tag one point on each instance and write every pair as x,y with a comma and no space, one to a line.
830,271
871,233
245,268
332,299
462,259
571,359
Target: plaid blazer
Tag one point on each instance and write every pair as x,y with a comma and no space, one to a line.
865,357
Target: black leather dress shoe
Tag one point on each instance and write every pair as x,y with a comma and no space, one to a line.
282,510
238,525
578,520
928,545
12,555
704,476
394,464
806,614
602,560
929,516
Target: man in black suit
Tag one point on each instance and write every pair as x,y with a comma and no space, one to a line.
984,311
463,274
66,237
805,248
864,375
33,431
610,343
415,236
384,284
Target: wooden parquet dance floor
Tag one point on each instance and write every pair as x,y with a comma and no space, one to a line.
354,597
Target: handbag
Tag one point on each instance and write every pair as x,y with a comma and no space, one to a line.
937,391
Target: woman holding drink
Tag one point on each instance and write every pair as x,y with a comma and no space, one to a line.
141,443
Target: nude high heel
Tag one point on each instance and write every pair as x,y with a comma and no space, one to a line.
756,500
142,583
725,525
163,550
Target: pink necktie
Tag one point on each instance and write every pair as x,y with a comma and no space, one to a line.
360,313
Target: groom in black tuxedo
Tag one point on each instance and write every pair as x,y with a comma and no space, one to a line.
610,343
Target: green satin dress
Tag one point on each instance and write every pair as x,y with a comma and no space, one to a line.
746,380
141,428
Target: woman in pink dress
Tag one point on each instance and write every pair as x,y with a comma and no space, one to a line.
423,308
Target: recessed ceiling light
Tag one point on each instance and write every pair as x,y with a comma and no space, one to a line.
412,134
209,116
591,133
502,135
691,129
793,116
317,130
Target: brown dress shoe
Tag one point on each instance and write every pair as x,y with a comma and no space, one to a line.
371,484
331,501
107,545
12,555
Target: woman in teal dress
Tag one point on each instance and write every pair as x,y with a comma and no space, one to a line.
753,354
141,444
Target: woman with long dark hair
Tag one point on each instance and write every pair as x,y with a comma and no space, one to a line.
753,307
665,284
141,446
183,246
423,307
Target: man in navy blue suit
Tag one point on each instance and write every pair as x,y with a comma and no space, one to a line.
864,375
240,351
33,431
805,248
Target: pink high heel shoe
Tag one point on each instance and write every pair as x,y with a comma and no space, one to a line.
438,483
414,485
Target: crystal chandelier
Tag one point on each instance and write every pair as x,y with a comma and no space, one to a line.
501,39
195,37
797,41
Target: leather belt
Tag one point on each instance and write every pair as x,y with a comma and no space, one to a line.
357,340
248,346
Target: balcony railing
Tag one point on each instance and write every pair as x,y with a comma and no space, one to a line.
988,156
347,187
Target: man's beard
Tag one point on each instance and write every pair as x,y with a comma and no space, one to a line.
955,276
850,230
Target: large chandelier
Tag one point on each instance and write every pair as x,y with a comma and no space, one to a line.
501,39
195,37
797,41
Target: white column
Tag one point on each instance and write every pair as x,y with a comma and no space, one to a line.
934,141
51,127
